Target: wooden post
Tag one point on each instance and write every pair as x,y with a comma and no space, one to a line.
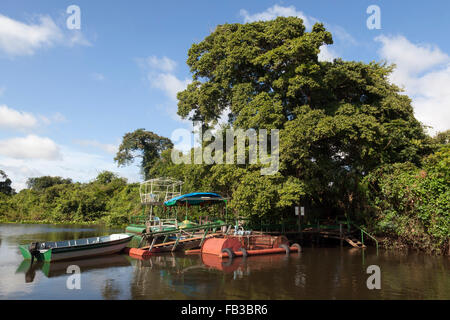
204,236
176,242
340,233
153,243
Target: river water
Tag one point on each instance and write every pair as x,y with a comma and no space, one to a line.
316,273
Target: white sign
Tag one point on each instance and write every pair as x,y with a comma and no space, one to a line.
296,211
303,211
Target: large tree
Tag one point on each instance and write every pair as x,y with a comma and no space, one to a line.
142,144
5,185
338,120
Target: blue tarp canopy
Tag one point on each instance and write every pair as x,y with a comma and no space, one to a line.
195,198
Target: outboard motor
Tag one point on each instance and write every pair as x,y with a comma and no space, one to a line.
34,250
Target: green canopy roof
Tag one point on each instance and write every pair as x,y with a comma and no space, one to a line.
195,198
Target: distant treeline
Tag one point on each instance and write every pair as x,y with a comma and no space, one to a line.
108,199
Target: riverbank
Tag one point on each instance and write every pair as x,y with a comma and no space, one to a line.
396,244
59,223
388,243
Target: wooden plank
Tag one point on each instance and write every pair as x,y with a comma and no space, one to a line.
355,244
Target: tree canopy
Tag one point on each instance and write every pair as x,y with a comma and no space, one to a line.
339,120
141,144
5,185
44,182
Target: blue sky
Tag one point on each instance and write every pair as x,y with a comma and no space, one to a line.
68,96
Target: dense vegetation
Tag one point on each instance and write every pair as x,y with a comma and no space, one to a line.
108,199
349,142
412,203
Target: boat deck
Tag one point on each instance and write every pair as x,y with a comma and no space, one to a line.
188,243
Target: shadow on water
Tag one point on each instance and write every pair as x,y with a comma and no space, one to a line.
59,268
316,273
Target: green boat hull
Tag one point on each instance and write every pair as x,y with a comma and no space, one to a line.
46,256
140,229
77,251
136,229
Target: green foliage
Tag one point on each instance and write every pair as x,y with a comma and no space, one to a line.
413,203
108,199
144,144
341,123
262,66
41,183
442,137
5,185
348,119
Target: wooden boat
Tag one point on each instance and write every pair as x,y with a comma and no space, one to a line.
76,249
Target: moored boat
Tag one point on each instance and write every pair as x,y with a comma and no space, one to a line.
75,249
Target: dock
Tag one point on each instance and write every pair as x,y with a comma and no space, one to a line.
344,231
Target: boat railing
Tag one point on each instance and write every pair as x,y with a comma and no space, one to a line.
138,219
364,232
210,226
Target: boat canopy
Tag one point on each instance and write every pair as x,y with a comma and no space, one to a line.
195,198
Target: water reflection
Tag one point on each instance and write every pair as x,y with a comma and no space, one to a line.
59,268
316,273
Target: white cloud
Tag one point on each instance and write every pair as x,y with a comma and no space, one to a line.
58,117
277,11
76,37
19,38
423,70
341,34
55,118
326,54
168,83
109,148
164,64
409,57
13,119
30,147
160,75
79,166
97,76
